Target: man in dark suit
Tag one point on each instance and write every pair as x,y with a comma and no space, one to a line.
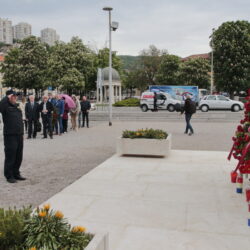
32,115
46,109
85,107
13,136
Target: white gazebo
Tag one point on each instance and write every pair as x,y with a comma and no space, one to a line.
102,88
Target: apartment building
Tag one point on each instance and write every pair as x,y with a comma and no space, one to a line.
21,31
6,34
49,36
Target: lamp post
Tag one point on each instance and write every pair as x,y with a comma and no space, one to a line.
109,9
212,63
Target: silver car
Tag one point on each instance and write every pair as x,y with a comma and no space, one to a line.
219,102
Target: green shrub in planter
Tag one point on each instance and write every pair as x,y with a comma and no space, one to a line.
145,133
48,229
131,102
12,222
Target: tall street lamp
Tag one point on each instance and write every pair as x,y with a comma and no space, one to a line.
112,27
212,63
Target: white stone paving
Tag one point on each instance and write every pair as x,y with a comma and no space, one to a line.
183,202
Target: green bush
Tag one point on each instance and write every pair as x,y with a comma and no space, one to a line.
131,102
12,222
44,229
145,133
48,229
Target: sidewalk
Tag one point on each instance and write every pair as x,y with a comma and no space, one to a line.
182,202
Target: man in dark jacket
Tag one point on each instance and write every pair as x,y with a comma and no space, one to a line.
46,109
85,107
189,109
59,110
32,115
13,136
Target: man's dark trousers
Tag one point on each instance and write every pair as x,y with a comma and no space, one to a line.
188,117
32,128
13,147
85,115
47,124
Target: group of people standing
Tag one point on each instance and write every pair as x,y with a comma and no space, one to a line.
54,111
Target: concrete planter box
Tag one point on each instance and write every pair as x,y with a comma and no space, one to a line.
99,242
147,147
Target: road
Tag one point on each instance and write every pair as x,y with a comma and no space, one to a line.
135,114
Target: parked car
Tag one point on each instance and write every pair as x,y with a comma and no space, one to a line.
164,101
219,102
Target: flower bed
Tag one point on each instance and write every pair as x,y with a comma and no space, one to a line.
144,142
145,133
43,229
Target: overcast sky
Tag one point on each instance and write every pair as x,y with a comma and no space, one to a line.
182,27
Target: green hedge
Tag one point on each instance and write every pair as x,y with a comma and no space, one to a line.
131,102
145,133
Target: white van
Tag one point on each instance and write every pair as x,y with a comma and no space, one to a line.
164,101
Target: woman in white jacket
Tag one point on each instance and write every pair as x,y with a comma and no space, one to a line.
74,113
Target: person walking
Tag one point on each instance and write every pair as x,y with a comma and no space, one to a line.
59,107
32,116
85,107
189,109
74,112
22,107
46,109
13,137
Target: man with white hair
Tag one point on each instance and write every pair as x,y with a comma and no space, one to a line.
189,109
46,109
32,115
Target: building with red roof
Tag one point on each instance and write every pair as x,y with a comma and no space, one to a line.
204,56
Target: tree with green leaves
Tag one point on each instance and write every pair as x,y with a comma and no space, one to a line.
103,60
168,72
149,61
70,61
26,67
195,72
135,79
72,80
231,45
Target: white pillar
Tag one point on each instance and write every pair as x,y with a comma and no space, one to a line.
120,93
105,94
101,94
97,94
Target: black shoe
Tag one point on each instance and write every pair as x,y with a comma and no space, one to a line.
190,133
29,137
11,180
44,137
51,137
185,132
19,178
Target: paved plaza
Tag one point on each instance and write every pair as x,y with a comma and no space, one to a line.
51,165
183,202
